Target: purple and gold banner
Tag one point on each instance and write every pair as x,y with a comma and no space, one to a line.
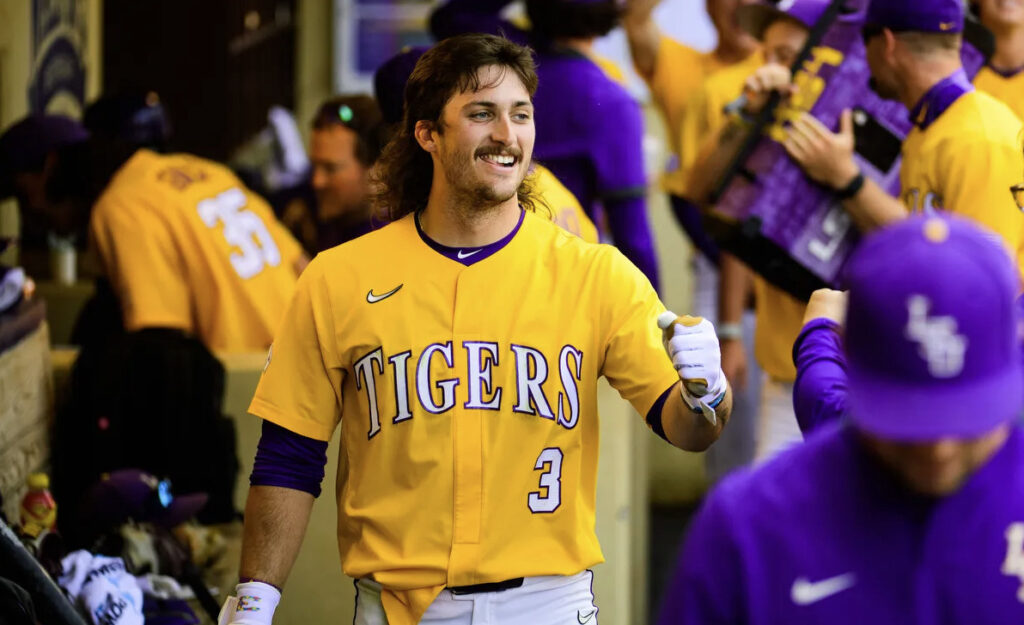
768,213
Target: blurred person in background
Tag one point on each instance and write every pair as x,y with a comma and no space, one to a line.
783,33
912,509
181,242
675,74
589,128
1003,76
347,137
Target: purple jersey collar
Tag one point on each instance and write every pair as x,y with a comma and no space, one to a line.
1005,73
469,255
939,98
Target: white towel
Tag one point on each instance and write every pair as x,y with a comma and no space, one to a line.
103,588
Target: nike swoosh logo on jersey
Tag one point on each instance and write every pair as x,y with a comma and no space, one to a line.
373,299
585,619
806,592
462,255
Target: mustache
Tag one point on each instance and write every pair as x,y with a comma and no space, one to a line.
515,153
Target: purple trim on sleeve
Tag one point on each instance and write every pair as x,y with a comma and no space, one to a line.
820,390
469,255
939,98
627,221
654,414
289,460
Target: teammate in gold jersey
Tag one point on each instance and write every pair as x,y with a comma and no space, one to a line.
1003,76
182,243
962,155
459,348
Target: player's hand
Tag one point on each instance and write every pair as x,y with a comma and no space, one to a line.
692,345
825,156
734,363
759,86
253,604
827,304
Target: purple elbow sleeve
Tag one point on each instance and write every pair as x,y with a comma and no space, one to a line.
289,460
820,391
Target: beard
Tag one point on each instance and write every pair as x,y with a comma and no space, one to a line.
460,172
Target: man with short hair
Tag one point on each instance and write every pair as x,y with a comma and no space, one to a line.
347,137
462,343
963,153
912,511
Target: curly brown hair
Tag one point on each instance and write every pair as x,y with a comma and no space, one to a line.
404,172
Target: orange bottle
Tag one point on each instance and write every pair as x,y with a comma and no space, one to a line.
38,507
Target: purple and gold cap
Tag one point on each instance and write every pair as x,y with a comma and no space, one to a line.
929,16
755,18
932,336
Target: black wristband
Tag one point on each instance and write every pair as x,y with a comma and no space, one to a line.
852,188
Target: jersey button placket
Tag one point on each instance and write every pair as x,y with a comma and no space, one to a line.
467,437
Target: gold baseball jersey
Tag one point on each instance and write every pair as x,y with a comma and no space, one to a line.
965,162
186,245
1007,88
566,210
467,397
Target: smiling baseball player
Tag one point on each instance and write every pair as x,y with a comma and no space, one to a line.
459,348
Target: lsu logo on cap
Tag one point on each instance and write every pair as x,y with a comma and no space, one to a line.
940,345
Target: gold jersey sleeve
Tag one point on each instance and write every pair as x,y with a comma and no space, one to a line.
465,394
186,245
965,162
1007,89
565,209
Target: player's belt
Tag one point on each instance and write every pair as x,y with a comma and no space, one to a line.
508,584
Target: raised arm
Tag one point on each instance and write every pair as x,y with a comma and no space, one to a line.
643,34
820,391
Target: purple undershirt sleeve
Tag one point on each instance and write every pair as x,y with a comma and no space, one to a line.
654,414
631,232
820,390
289,460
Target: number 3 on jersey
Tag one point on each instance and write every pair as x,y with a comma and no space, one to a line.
550,495
242,230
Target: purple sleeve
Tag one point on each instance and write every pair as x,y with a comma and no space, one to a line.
616,142
289,460
631,233
707,584
691,220
819,394
474,16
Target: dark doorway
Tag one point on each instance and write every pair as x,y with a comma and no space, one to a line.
217,65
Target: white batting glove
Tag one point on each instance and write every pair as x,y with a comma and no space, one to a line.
253,604
692,345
